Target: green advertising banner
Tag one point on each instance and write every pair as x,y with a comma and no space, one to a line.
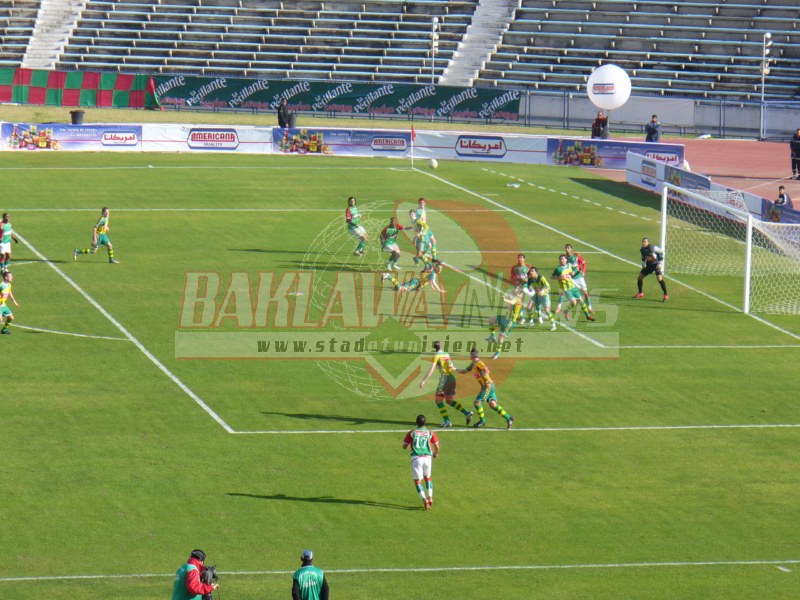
373,99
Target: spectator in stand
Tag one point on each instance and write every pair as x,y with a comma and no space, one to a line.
600,126
283,115
794,145
653,130
783,198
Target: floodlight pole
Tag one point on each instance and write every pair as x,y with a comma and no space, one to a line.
762,133
434,47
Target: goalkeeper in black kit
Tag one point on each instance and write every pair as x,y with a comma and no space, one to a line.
652,262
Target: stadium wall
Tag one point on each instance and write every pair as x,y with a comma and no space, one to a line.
650,174
327,141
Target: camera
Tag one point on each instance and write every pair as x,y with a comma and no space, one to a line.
209,576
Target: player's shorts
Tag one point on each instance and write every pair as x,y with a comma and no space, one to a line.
542,301
5,311
102,240
357,232
505,324
391,247
421,466
569,295
486,394
447,385
580,283
410,286
5,248
654,267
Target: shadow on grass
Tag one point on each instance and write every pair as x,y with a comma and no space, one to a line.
339,418
324,499
621,191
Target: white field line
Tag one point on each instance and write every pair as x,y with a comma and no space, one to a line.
603,250
130,337
303,167
229,210
457,429
18,263
712,347
458,569
82,335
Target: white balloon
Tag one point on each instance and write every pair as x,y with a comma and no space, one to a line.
609,87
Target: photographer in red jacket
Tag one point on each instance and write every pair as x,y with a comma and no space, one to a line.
188,579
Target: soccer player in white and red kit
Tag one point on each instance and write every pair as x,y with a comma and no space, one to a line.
424,448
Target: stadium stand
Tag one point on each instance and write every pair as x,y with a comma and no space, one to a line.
375,40
699,48
17,20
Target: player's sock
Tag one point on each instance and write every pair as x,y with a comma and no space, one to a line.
360,247
639,285
420,491
429,486
443,410
457,405
663,286
588,303
480,411
585,308
501,411
432,248
110,254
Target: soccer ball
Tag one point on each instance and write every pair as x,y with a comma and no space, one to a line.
433,163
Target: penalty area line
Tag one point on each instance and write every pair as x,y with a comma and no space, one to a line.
129,336
70,333
529,429
455,569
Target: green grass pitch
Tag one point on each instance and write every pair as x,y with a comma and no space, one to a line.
662,466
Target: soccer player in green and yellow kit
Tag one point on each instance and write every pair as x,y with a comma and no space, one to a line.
446,388
99,238
5,293
424,239
428,276
537,291
569,291
353,221
488,392
6,236
424,447
505,323
578,273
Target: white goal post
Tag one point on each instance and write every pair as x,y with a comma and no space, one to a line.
713,234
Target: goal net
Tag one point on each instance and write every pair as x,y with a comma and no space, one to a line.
713,235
